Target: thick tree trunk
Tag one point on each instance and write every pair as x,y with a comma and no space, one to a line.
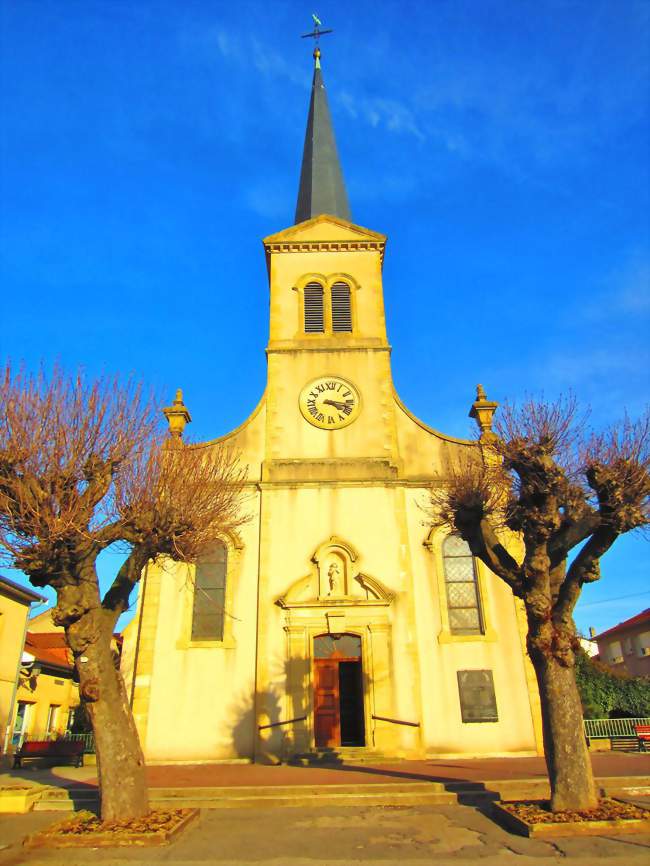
565,747
120,761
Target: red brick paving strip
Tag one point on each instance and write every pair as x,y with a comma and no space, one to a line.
442,770
472,770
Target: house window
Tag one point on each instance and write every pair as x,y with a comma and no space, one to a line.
314,316
615,653
478,702
20,725
52,719
71,717
644,643
463,603
210,595
341,309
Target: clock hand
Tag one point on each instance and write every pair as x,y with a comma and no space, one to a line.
335,403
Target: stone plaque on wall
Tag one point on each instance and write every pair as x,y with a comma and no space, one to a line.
477,699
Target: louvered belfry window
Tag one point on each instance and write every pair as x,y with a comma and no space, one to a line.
314,317
463,603
210,595
341,309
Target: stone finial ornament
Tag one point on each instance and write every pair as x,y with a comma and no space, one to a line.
482,411
177,416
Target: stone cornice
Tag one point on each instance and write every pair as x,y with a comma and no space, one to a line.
331,246
326,344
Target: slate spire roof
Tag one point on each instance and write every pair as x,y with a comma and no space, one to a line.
322,190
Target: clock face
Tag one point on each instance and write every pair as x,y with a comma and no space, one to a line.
330,402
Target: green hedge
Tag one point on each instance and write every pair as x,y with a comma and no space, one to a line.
606,694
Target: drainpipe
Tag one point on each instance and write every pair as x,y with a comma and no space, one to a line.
136,651
256,708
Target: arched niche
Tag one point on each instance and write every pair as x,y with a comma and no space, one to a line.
335,579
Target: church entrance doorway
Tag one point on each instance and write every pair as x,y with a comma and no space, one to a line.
338,691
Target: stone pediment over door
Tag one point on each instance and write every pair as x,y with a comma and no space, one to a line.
335,580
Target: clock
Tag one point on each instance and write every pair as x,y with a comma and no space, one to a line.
329,402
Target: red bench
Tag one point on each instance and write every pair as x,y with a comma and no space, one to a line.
643,734
72,750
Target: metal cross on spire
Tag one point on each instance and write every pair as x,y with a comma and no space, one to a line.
317,32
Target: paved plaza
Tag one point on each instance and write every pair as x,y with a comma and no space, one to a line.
345,833
317,837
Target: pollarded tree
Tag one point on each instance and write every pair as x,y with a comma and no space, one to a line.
83,466
540,503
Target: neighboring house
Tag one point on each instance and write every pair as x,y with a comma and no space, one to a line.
47,694
626,646
588,644
15,603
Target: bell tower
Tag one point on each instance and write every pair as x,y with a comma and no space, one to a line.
330,396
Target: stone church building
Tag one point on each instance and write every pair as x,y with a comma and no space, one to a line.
336,618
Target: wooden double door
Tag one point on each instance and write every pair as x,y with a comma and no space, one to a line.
338,695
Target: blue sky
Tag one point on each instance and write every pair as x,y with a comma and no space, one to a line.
147,147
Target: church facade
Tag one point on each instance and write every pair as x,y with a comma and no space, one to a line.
337,618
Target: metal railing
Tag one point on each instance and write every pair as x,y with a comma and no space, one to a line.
396,721
87,739
601,728
279,724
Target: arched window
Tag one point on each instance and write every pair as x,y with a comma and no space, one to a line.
314,317
463,602
210,595
341,309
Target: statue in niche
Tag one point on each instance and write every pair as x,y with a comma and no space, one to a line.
333,578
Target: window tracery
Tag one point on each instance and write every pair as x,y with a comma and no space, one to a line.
463,601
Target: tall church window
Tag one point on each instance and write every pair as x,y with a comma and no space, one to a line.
463,602
314,316
341,309
210,595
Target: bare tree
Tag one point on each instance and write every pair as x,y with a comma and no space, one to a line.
540,502
82,467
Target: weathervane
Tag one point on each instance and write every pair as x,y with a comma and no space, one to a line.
316,33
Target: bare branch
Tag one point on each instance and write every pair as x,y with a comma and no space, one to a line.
81,467
117,596
485,545
572,532
617,468
61,441
177,501
471,502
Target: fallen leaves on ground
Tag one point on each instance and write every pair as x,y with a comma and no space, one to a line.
539,812
85,823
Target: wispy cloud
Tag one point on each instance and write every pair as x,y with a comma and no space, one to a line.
630,289
393,115
267,198
623,291
243,51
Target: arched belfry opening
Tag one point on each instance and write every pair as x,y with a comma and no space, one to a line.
338,691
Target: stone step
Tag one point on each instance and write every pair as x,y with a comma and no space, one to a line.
314,791
64,801
343,755
303,798
377,794
373,794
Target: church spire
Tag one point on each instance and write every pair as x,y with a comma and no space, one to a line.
322,189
